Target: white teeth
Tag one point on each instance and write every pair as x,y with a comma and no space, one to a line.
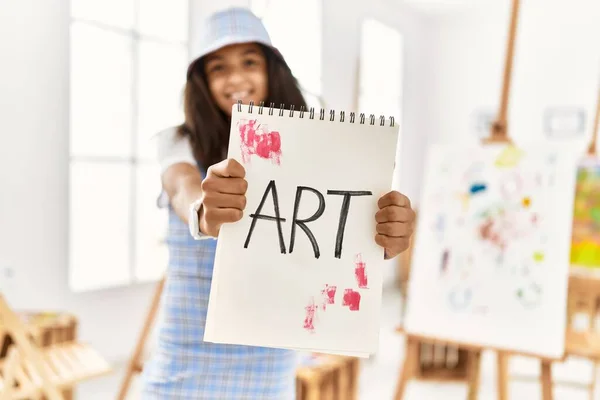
239,95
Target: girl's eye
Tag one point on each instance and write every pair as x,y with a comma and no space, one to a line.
215,68
249,62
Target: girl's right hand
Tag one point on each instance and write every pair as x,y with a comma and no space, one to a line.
224,194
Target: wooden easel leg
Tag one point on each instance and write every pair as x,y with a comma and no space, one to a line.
547,380
135,362
411,360
502,377
474,374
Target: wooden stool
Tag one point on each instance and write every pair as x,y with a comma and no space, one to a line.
328,377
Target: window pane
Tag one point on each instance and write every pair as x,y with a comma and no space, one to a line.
378,105
164,19
302,51
380,67
151,225
312,100
162,72
116,13
99,225
101,101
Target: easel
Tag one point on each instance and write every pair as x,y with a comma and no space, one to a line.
136,363
498,135
31,372
583,298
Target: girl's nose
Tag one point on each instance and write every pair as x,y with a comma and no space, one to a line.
235,76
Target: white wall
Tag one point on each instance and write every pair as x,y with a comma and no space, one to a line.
341,50
557,63
34,90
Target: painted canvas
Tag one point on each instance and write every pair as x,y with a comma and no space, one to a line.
491,255
585,246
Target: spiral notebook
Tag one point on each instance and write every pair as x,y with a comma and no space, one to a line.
301,270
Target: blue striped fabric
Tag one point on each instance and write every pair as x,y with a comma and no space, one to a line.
185,367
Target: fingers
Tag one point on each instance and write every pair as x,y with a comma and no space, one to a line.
215,217
224,200
395,229
392,245
228,168
393,198
219,184
395,214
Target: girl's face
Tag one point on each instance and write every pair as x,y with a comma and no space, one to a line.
237,72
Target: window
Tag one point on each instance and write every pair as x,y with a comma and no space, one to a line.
128,63
296,30
380,72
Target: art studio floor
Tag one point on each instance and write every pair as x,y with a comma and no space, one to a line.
379,375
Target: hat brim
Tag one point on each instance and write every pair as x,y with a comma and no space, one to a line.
228,41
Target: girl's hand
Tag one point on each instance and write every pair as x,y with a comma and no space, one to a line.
224,196
395,223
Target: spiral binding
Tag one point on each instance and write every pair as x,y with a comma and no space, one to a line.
311,113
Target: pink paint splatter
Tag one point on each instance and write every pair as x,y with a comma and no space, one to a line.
311,308
351,299
257,139
360,272
328,295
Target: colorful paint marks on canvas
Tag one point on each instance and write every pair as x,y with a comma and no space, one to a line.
585,243
489,221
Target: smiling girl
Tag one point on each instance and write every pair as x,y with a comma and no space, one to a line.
204,190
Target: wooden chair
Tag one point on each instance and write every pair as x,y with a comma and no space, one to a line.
30,371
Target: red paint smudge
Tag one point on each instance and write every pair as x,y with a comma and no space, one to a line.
487,231
311,308
328,295
360,272
351,299
257,139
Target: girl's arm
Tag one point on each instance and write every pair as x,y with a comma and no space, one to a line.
222,190
181,179
183,184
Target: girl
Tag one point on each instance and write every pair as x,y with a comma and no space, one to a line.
204,191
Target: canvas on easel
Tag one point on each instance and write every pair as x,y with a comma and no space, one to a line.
462,295
585,247
491,257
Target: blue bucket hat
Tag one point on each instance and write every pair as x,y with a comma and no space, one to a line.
230,26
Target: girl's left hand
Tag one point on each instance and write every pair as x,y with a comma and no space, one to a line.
395,223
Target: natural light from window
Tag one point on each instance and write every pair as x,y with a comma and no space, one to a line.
128,63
